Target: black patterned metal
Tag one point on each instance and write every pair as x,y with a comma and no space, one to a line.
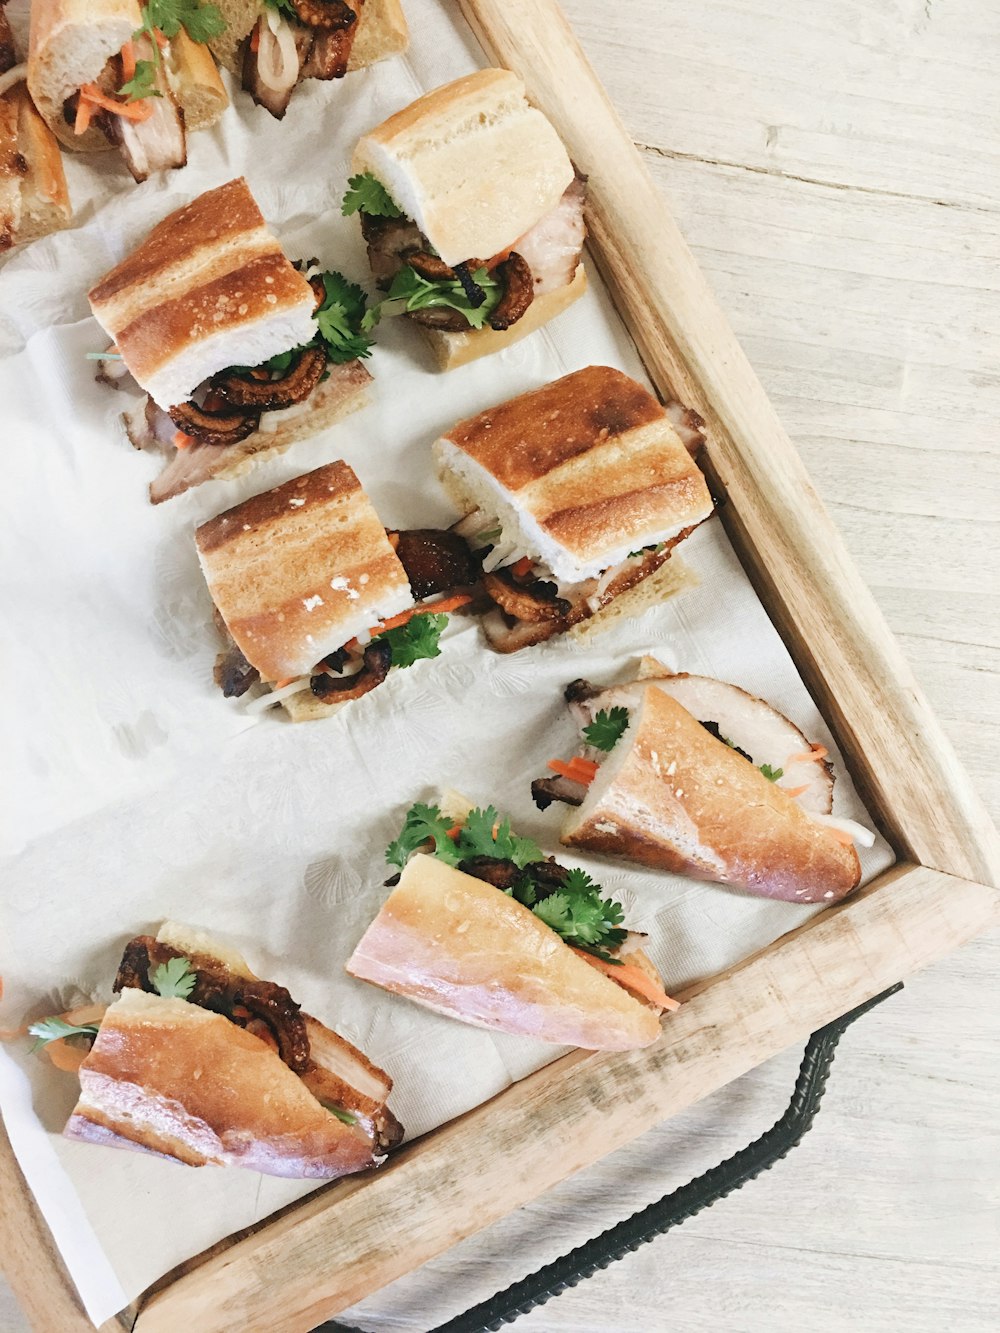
675,1207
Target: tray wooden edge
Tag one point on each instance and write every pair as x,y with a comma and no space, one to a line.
334,1249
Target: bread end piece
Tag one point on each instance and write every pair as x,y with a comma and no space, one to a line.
458,349
195,82
461,947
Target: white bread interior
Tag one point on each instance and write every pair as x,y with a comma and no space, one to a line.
472,163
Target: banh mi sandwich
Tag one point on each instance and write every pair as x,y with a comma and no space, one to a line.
34,199
240,351
473,216
690,775
482,926
573,495
317,600
201,1061
272,45
113,74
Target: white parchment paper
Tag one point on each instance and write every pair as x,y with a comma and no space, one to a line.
135,792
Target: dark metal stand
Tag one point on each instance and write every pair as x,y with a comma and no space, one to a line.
675,1207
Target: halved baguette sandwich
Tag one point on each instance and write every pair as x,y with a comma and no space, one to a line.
318,601
240,351
473,216
34,199
482,926
273,47
113,74
694,776
201,1061
573,495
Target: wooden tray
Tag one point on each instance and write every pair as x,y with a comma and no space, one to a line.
346,1241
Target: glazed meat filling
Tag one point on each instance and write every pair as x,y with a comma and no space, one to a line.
262,1007
282,50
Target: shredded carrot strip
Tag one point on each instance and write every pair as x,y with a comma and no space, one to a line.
454,831
161,41
577,770
65,1057
255,38
182,441
522,567
84,111
280,684
130,110
632,978
428,608
815,753
794,791
128,61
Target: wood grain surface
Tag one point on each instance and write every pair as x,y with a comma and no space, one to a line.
834,169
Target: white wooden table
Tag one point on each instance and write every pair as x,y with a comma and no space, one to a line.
834,166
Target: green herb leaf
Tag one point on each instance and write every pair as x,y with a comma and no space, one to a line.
656,547
411,291
339,1112
424,823
283,7
340,319
477,838
415,640
579,914
142,84
200,22
366,194
606,730
174,979
772,774
53,1029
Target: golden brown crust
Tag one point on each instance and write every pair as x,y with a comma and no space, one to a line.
45,196
195,82
215,218
175,1079
291,568
592,458
677,799
461,947
438,109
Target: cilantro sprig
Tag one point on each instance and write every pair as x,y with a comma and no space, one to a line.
576,910
607,728
55,1029
174,979
200,21
411,291
365,193
772,774
417,639
340,319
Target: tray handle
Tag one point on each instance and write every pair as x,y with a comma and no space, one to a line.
675,1207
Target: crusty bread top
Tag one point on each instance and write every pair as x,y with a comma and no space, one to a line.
299,570
589,466
472,163
208,288
672,796
173,1078
462,947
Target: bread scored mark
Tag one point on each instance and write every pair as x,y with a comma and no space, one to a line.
293,570
237,299
220,224
528,437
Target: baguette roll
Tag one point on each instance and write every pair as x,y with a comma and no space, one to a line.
461,947
298,571
71,42
482,180
672,796
170,1077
